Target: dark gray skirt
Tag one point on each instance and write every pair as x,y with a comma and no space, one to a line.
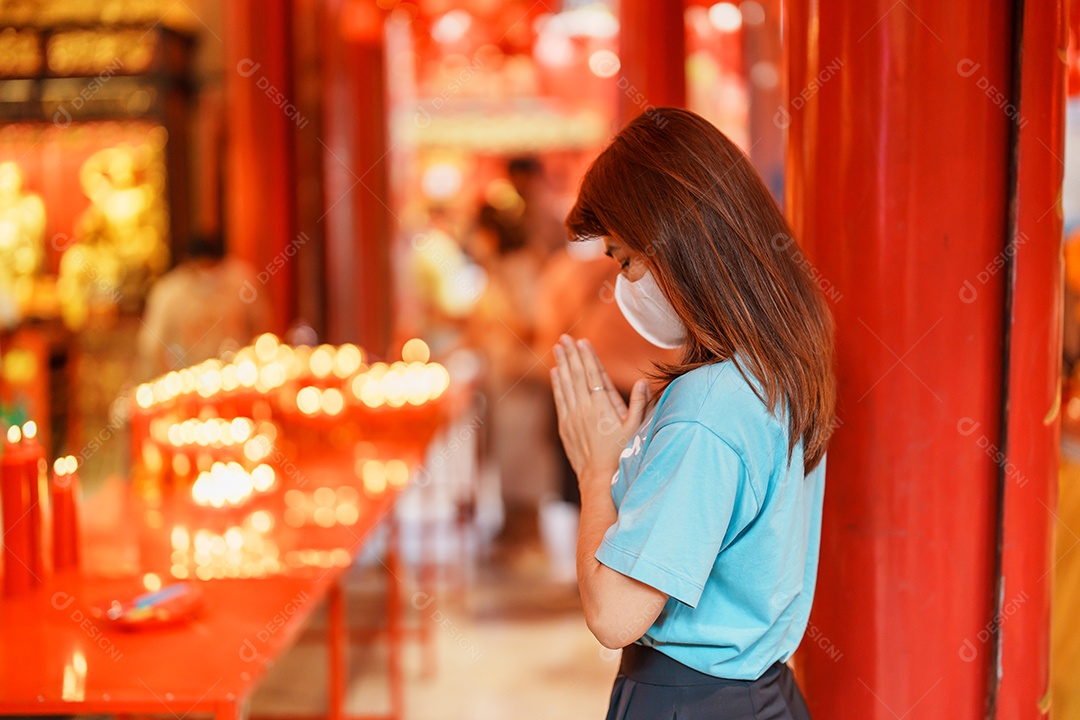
652,686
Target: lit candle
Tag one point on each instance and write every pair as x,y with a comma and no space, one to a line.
65,496
16,502
148,398
35,469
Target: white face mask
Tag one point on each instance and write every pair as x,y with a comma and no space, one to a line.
647,310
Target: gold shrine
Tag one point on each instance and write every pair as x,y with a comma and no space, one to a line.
92,162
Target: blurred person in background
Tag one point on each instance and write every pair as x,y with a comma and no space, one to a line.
440,285
701,509
206,305
502,319
502,327
1071,336
542,216
1064,640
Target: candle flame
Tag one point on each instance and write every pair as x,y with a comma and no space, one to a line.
415,350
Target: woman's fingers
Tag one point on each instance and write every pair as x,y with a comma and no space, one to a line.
594,377
567,430
576,381
613,393
560,399
588,424
564,374
561,410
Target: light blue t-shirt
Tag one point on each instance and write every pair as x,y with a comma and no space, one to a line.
712,514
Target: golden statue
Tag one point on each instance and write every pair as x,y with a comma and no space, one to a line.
120,240
22,228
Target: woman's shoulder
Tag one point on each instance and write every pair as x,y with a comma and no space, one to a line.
693,391
719,397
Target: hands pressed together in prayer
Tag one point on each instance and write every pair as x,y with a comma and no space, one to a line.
594,421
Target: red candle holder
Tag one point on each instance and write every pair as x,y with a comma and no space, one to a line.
64,489
35,469
18,576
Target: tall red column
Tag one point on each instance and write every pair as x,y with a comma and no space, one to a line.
1029,475
261,117
652,40
359,221
903,122
308,22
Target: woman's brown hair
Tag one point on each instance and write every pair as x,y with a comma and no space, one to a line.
677,190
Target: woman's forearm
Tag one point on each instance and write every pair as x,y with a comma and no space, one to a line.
597,515
618,609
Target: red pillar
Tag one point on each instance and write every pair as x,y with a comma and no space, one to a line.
1029,479
652,40
308,23
900,156
260,202
359,221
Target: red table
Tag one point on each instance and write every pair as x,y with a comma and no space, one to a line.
56,659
